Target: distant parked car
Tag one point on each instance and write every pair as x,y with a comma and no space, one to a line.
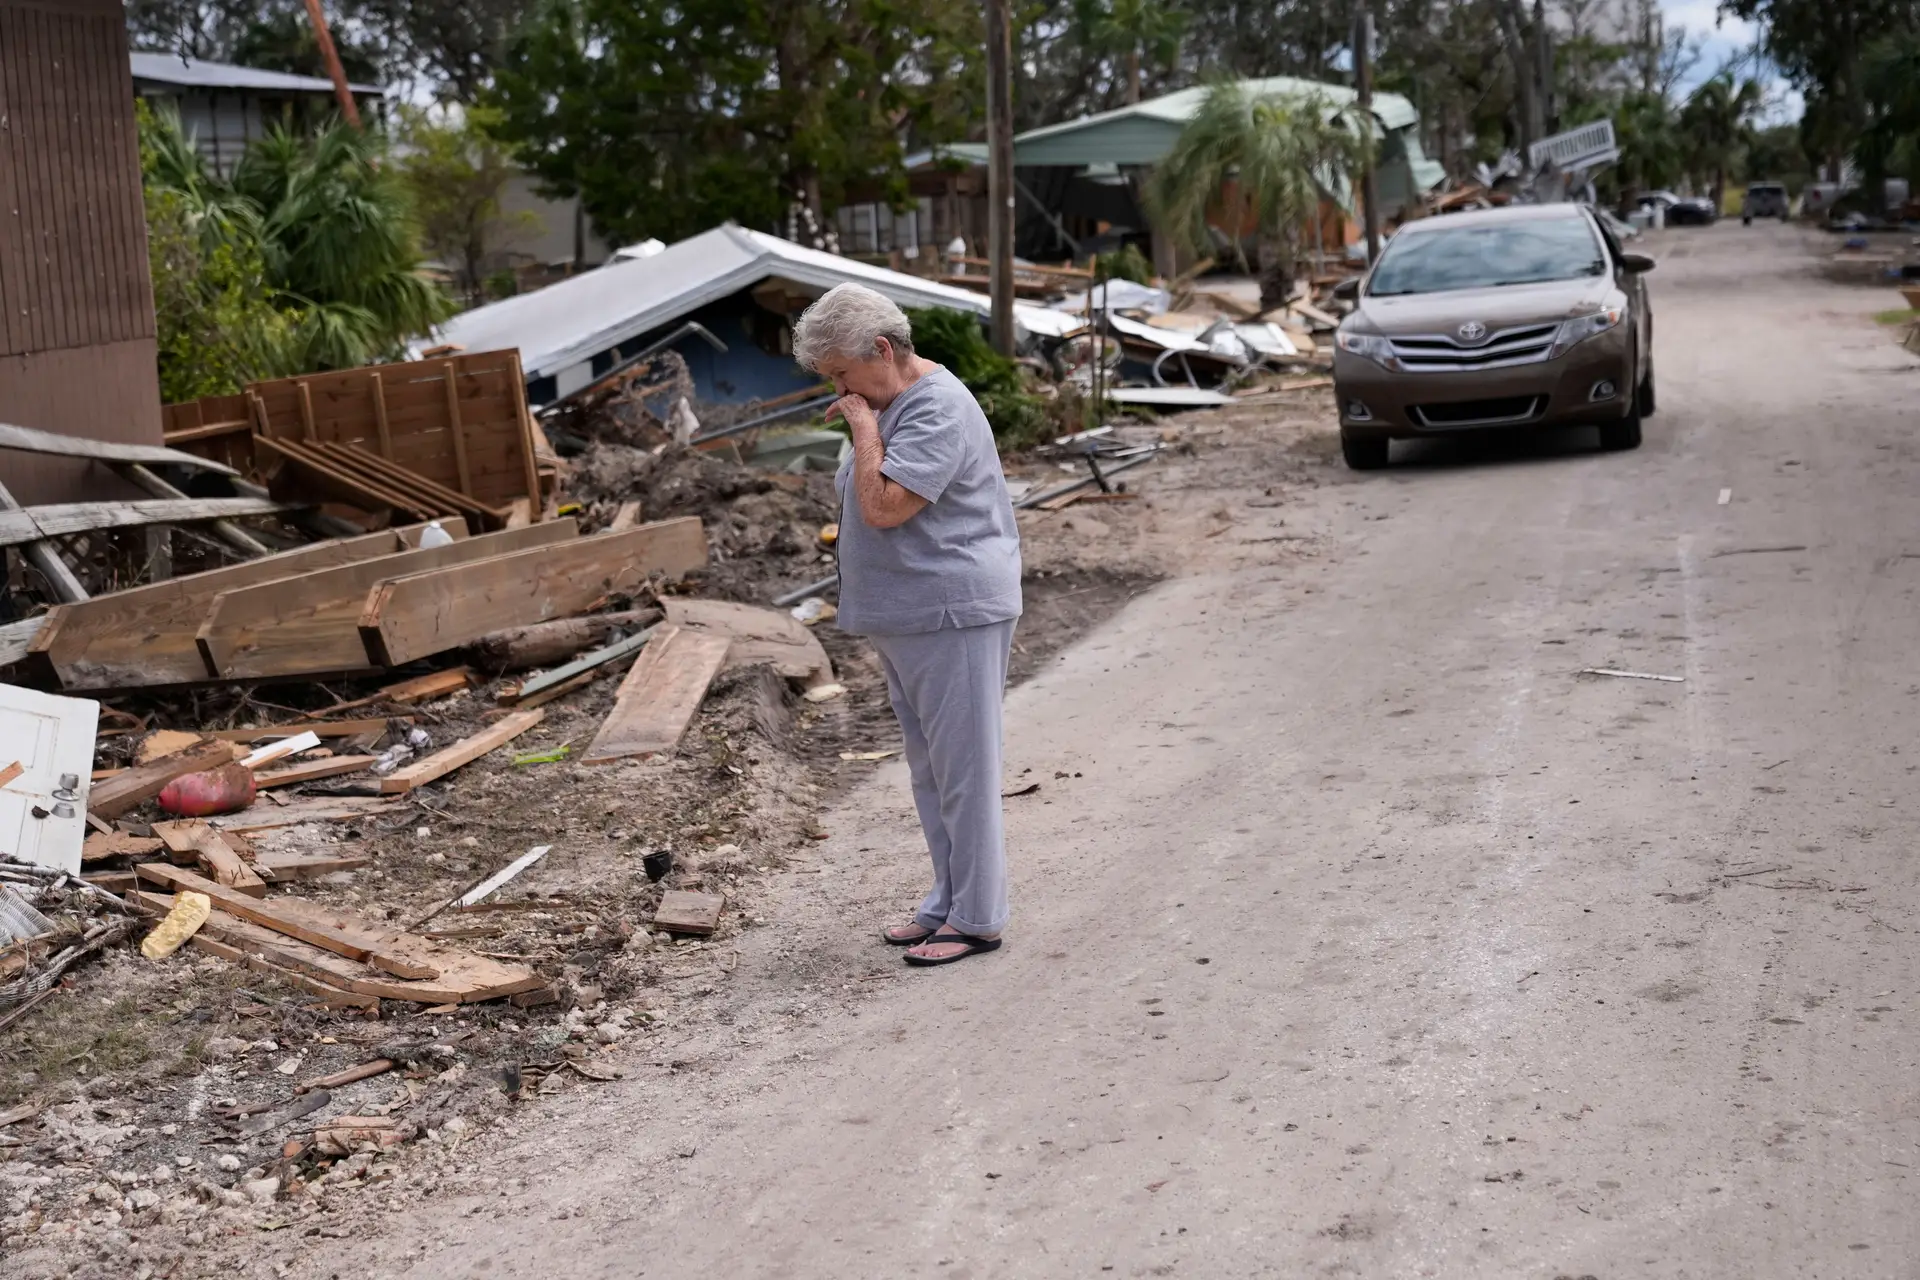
1764,200
1679,211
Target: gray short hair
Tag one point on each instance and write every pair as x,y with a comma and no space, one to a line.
849,320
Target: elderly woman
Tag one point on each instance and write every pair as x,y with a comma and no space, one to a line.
930,574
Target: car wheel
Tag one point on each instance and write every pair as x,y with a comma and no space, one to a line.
1363,452
1643,399
1624,434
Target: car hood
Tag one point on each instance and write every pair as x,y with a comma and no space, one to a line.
1498,308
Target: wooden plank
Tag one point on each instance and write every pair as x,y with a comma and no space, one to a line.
304,459
264,951
319,728
193,841
627,517
317,809
459,431
312,770
529,465
429,613
311,624
63,519
330,930
208,431
102,845
45,557
359,460
124,791
378,389
684,912
306,409
146,636
445,761
16,639
29,440
555,691
11,772
660,695
437,684
279,868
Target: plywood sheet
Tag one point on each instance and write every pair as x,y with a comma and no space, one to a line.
660,694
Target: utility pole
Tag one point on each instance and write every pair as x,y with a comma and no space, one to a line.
1000,191
324,38
1363,84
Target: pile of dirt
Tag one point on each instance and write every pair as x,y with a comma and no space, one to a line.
763,527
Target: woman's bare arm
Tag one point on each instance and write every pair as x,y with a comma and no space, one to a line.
884,503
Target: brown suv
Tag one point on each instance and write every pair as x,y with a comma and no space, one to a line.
1527,316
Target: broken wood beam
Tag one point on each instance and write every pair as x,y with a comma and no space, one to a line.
429,613
310,923
545,643
683,912
437,684
312,771
319,728
29,440
146,636
193,838
445,761
230,533
310,625
114,796
660,694
45,558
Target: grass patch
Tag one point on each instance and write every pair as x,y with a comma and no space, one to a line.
59,1042
1899,315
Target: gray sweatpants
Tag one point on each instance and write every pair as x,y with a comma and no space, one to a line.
946,688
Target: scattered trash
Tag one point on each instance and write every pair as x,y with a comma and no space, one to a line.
867,755
813,610
1629,675
435,535
657,864
824,693
1027,790
227,789
190,911
554,756
486,887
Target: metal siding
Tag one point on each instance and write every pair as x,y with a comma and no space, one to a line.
73,245
77,330
1127,140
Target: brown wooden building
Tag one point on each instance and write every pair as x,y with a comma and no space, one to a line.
77,353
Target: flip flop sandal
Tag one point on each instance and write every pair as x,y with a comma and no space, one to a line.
886,936
975,947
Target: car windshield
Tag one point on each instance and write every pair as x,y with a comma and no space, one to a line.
1487,255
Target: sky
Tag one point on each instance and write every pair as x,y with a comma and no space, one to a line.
1727,37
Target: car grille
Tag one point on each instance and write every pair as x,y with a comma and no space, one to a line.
1439,352
1481,413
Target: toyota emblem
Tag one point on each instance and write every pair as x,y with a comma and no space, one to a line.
1472,331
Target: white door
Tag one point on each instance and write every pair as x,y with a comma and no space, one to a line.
43,811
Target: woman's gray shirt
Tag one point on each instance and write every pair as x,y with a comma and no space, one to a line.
956,563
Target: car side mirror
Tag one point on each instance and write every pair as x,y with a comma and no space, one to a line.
1637,263
1347,290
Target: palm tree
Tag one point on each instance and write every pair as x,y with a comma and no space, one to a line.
1278,153
1717,122
1139,30
339,235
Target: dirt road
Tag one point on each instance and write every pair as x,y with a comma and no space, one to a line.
1362,935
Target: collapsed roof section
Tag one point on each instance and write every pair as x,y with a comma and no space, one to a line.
563,329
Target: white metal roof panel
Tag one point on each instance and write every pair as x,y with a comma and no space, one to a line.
171,68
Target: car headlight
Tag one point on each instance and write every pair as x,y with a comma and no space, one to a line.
1584,327
1370,346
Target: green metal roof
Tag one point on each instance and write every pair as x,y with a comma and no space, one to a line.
1144,132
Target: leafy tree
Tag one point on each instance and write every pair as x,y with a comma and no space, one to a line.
1717,122
338,235
1890,81
1139,31
954,339
218,326
455,172
666,119
1651,150
1278,154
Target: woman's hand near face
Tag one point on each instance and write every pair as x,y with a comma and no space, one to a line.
854,410
884,503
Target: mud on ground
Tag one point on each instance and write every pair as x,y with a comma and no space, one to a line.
130,1166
